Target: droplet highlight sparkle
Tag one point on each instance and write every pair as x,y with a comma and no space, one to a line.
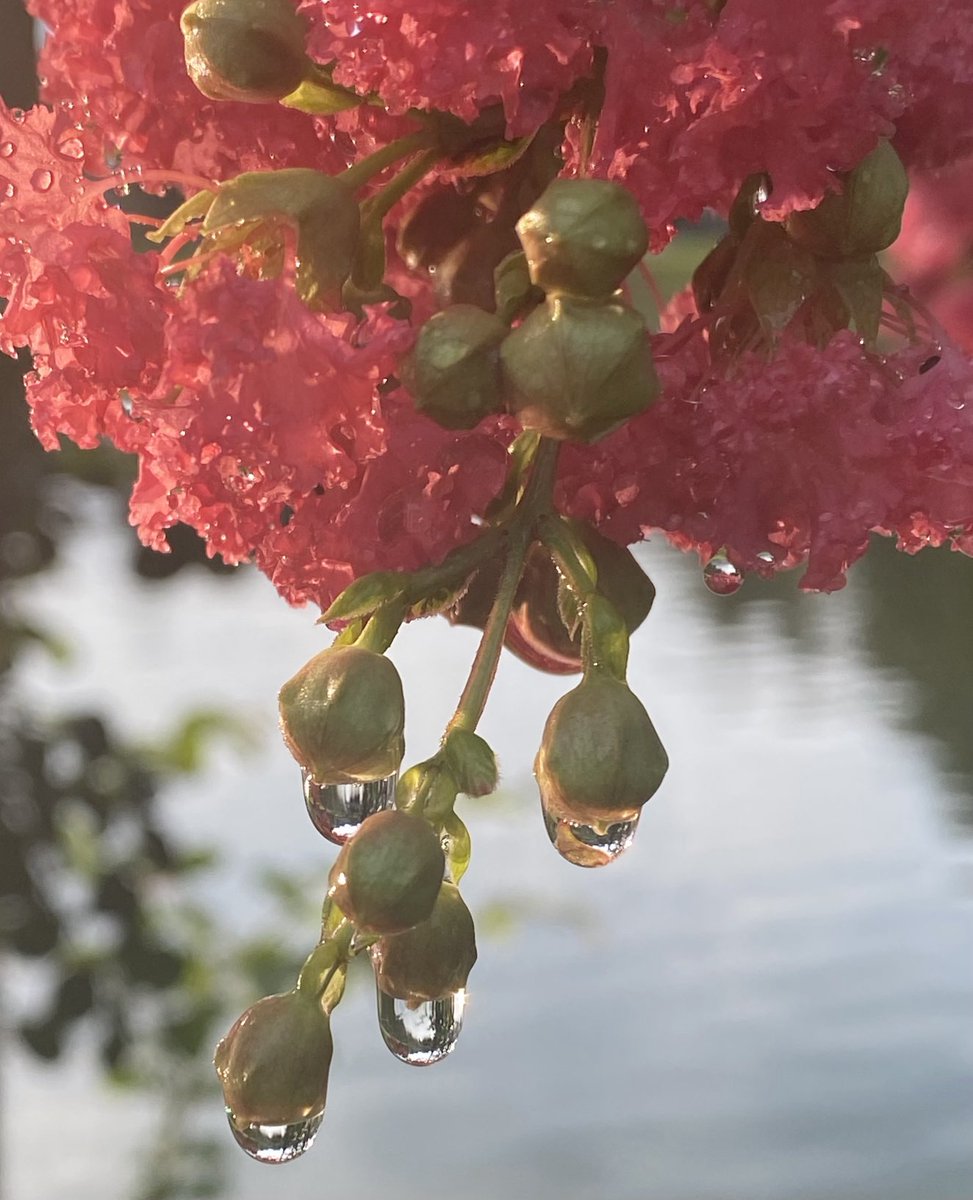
275,1143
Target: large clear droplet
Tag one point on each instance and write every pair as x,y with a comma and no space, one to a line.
275,1143
422,1033
589,845
337,810
722,576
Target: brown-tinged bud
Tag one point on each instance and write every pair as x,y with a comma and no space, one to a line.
865,217
577,370
343,715
582,237
600,757
323,210
250,50
454,372
386,879
273,1063
433,959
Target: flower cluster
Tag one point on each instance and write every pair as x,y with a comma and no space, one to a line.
280,432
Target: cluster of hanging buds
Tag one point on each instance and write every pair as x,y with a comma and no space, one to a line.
542,332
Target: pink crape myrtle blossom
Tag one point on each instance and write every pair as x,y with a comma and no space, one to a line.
282,435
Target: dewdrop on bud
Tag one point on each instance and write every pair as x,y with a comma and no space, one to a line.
582,237
420,979
250,50
343,715
454,373
865,218
273,1066
600,758
577,370
386,879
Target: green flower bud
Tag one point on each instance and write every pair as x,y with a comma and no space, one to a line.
343,714
582,237
250,50
578,370
274,1062
386,879
454,372
323,209
865,217
600,757
432,960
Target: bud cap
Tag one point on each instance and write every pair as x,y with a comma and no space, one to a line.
433,959
249,50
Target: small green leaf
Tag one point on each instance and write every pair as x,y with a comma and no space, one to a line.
512,287
196,207
861,284
472,762
780,276
495,157
365,595
321,96
568,607
459,846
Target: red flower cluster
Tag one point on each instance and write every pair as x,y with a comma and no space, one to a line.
273,430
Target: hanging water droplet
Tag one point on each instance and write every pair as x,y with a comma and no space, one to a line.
338,809
722,576
589,845
275,1143
421,1033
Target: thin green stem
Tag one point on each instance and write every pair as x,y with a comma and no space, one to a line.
537,499
375,208
373,164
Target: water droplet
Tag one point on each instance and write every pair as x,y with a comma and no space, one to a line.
766,557
275,1143
41,180
421,1034
589,845
10,191
71,147
721,576
6,149
338,809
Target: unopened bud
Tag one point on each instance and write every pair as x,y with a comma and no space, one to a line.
250,50
582,237
323,210
274,1062
600,757
433,959
578,370
865,217
343,715
455,369
386,879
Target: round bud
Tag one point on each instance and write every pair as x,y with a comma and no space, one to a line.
386,879
323,209
250,50
274,1062
578,370
343,715
432,960
455,369
600,757
864,218
582,237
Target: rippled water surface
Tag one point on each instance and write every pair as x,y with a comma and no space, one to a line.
769,997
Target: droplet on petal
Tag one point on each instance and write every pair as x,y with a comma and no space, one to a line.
722,576
275,1143
337,810
41,180
589,845
6,149
421,1033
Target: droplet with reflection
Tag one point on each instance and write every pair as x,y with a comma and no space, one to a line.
275,1143
722,576
421,1033
337,810
589,845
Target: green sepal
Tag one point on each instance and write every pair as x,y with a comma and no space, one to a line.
496,157
512,287
365,595
195,208
458,846
429,789
319,95
568,606
570,554
861,285
605,638
471,761
779,276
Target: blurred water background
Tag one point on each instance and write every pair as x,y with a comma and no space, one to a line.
768,997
